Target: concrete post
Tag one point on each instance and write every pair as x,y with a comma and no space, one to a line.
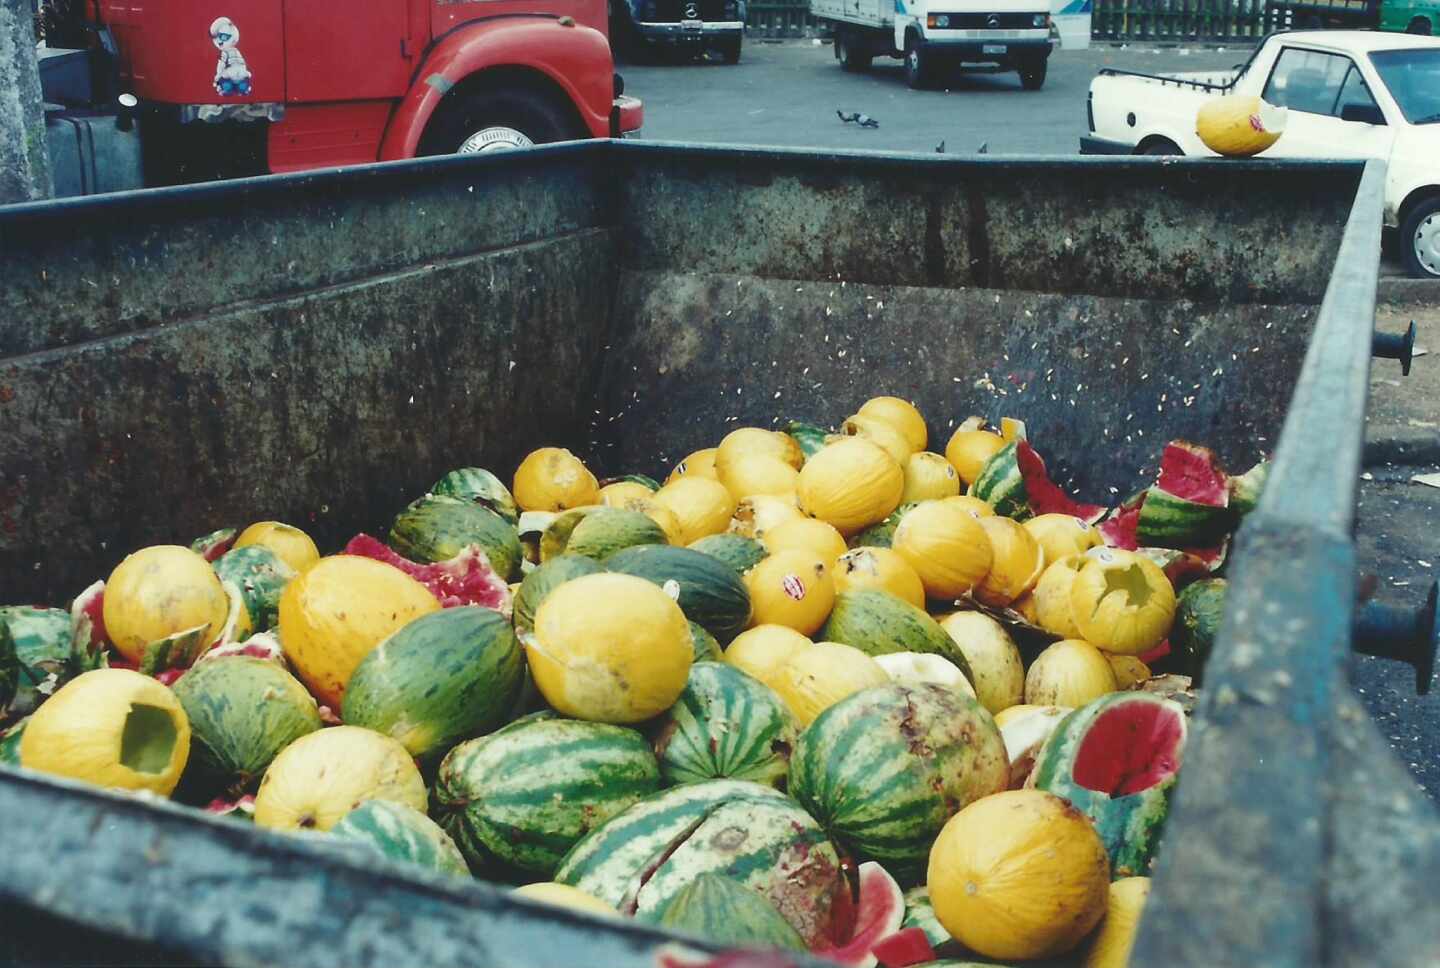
24,158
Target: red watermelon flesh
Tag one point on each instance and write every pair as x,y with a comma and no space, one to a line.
905,947
1189,471
87,618
1119,529
1156,654
1043,494
1130,748
880,913
466,579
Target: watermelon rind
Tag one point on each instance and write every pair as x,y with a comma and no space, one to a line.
810,437
878,623
723,911
479,486
725,725
45,653
707,590
1167,521
1246,489
880,534
437,528
9,668
538,585
1130,825
440,679
749,832
1001,485
644,480
521,797
260,575
920,913
885,768
737,551
707,647
10,743
402,833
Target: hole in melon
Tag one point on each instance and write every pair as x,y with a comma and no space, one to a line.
1130,582
148,739
1130,748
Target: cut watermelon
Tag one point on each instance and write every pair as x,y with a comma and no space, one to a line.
1014,482
1189,506
214,544
1044,495
1191,472
880,913
1119,529
904,948
466,579
87,620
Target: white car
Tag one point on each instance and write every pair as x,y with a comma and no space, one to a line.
1350,94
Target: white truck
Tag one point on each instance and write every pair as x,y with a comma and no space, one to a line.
1349,94
934,36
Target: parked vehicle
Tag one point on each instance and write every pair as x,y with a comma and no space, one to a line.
936,36
1350,94
1414,17
220,90
689,26
1407,16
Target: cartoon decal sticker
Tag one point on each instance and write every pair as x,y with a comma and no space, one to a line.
232,75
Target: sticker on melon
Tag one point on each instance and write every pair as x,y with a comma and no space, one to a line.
1239,126
1116,760
1014,482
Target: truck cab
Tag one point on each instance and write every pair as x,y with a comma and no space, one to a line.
290,85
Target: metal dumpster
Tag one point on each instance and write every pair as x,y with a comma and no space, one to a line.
319,348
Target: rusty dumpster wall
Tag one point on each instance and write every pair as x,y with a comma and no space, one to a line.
269,350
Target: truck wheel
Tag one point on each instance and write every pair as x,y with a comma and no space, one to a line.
919,64
1419,25
494,121
1032,72
1420,240
729,49
850,57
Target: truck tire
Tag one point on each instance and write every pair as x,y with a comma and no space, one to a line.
492,120
1420,25
849,53
1420,240
1032,72
729,49
919,64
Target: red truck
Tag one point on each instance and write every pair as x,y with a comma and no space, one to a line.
228,88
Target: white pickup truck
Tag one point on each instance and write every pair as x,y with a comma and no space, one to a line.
1350,94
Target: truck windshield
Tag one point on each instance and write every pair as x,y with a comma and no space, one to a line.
1413,77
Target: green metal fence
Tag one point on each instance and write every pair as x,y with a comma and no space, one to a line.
1181,20
780,18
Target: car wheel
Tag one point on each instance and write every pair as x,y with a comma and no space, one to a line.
1160,146
918,64
850,59
1419,25
1032,72
1420,240
473,123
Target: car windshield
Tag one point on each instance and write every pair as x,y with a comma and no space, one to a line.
1413,77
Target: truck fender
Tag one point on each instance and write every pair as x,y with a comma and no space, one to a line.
557,52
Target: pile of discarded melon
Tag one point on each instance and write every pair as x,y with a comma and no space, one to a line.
804,694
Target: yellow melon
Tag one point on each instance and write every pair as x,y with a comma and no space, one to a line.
929,477
806,534
702,505
322,776
900,414
761,650
1122,602
882,568
563,895
755,516
946,546
699,464
1052,597
881,433
969,449
1016,563
996,668
620,493
160,591
792,588
1111,945
553,479
756,442
814,679
1129,670
1068,673
1062,535
289,543
1239,125
850,484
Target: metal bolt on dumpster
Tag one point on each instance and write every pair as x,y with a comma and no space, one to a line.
318,348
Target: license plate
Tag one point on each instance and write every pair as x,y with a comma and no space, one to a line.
692,25
993,48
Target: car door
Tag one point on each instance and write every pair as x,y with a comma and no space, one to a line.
1317,86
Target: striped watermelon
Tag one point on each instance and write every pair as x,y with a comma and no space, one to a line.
10,743
1116,760
878,623
735,550
883,769
810,437
260,576
521,797
1245,490
437,528
466,579
402,833
243,711
1014,482
46,654
721,910
707,590
211,546
538,585
881,534
725,724
920,913
707,649
1197,621
9,668
443,678
479,486
750,833
599,533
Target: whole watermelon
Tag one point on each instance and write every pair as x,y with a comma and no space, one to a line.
437,528
707,590
599,533
735,550
722,910
538,585
1198,613
402,833
521,797
243,711
725,724
645,856
443,678
260,575
479,486
878,623
707,649
884,769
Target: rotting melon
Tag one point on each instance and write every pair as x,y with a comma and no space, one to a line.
1189,506
721,910
1117,760
466,579
757,514
879,913
553,479
1121,601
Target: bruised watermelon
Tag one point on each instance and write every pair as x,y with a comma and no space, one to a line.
443,678
522,796
243,711
878,623
402,833
538,585
725,724
479,486
260,576
1116,760
1189,506
884,769
753,834
437,528
1014,482
466,579
726,912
